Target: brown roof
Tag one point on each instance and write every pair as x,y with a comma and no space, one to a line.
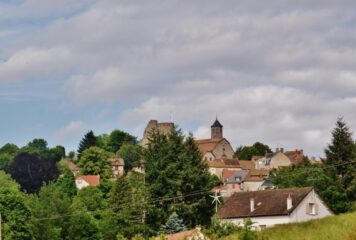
267,203
207,145
256,175
116,161
92,180
295,156
226,173
247,164
224,163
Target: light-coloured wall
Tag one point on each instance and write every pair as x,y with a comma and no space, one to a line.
208,156
300,214
80,183
252,186
219,149
280,160
118,172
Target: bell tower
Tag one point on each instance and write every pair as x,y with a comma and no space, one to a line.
216,130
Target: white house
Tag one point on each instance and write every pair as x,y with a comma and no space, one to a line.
270,207
86,181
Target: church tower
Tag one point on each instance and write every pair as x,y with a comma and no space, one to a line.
216,130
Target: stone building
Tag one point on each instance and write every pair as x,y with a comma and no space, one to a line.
217,146
153,125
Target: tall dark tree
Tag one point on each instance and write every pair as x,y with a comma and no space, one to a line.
89,140
174,169
31,170
9,148
340,161
39,144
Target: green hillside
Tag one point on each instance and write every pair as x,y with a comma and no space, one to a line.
341,227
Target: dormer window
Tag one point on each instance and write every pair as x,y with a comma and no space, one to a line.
312,209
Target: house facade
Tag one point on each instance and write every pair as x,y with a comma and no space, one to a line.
271,207
117,166
279,158
86,181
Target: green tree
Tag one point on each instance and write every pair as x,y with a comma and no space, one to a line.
39,144
341,156
89,140
5,160
66,184
120,194
14,211
174,167
94,160
71,155
50,211
131,154
92,199
117,138
307,175
9,148
247,152
173,225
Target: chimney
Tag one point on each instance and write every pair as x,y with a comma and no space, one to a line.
282,150
252,204
289,202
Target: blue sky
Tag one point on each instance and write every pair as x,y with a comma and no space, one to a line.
279,72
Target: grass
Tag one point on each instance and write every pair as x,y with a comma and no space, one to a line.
341,227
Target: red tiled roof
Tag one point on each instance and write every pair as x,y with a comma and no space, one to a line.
295,156
92,180
116,161
228,173
207,145
267,203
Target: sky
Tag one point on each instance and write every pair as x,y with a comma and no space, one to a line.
279,72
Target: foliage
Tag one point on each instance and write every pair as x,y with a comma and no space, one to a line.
93,161
66,184
50,213
9,148
245,232
31,170
247,152
92,198
173,225
219,229
174,167
116,139
13,209
339,157
89,140
39,144
71,155
5,160
306,175
131,154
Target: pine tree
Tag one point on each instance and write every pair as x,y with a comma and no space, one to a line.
173,225
89,140
120,195
340,157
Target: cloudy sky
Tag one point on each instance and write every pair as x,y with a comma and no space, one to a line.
280,72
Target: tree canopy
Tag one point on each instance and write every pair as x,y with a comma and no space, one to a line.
89,140
247,152
95,160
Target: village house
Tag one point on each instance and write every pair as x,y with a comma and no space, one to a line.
217,146
278,159
86,181
271,207
117,166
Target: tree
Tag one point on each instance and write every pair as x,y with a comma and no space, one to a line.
66,184
173,225
120,194
5,160
50,213
31,170
71,155
92,198
89,140
307,175
247,152
14,211
39,144
341,156
174,168
93,161
117,138
131,154
9,148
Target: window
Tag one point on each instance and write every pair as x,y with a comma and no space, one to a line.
312,209
238,179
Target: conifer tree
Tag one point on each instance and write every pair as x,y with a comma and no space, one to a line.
173,225
341,156
89,140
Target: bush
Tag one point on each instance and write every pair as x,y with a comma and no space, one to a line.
219,229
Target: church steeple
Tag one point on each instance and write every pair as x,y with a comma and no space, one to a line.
216,130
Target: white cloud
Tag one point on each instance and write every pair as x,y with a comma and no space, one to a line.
72,129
